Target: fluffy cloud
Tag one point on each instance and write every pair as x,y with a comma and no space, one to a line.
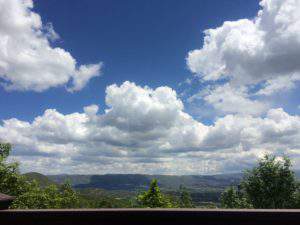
256,58
27,60
146,130
227,99
252,51
279,84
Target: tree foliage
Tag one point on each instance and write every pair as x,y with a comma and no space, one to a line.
185,200
270,185
231,198
11,182
153,198
29,194
4,150
51,197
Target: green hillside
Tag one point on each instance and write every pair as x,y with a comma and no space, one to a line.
202,188
74,179
131,182
141,181
40,178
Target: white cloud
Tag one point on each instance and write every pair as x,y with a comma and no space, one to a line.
279,84
227,99
82,76
147,131
27,60
264,49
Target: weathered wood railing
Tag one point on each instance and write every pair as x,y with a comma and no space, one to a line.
149,216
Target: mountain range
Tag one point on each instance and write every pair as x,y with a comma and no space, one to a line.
131,182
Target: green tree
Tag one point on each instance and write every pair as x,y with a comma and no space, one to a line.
185,200
231,199
69,198
4,150
153,198
51,197
29,194
271,184
35,198
11,182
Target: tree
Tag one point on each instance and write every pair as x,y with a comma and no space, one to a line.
231,199
29,194
185,200
51,197
35,198
270,185
153,198
4,150
69,198
11,182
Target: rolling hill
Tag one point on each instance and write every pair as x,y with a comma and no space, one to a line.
141,181
40,178
130,182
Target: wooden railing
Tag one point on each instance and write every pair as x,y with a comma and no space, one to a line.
149,216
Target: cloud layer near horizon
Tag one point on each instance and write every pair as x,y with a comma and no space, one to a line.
146,130
27,60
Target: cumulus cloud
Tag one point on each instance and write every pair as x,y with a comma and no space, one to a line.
279,84
82,76
252,51
227,99
147,131
256,58
27,59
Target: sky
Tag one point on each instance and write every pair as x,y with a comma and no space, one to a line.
156,87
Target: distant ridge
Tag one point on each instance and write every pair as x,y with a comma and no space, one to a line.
40,178
141,181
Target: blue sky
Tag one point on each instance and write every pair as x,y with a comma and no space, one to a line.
163,87
143,42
